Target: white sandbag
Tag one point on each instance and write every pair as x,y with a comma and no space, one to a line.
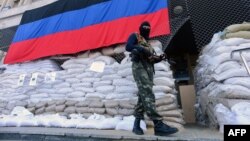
27,122
90,79
102,83
224,116
168,99
160,95
61,85
172,113
94,54
240,72
127,104
73,66
85,61
95,95
232,42
54,95
2,121
117,96
164,89
84,54
85,90
126,89
11,121
107,71
83,110
64,90
125,72
226,66
82,84
174,120
109,123
88,124
126,64
96,117
108,51
71,123
76,94
123,82
130,77
229,91
44,90
221,49
85,75
163,81
243,81
242,111
168,74
241,108
40,95
110,77
60,108
105,89
119,49
125,112
21,97
161,67
96,104
70,110
68,76
169,107
108,60
76,69
127,124
70,103
72,80
111,104
237,27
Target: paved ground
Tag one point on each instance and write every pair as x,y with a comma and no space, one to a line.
191,132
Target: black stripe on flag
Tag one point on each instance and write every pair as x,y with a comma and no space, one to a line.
55,8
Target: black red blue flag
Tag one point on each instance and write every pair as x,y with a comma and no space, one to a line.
71,26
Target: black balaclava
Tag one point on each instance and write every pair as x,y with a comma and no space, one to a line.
145,30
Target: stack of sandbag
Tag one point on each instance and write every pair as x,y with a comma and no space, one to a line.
21,117
237,31
78,89
236,115
34,66
220,76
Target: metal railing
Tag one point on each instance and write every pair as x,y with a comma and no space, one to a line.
242,57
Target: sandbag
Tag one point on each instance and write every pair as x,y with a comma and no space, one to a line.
111,104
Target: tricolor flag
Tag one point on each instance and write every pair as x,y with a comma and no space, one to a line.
71,26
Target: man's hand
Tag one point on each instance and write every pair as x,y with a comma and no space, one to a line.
156,59
163,56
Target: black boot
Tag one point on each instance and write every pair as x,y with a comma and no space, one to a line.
161,129
137,129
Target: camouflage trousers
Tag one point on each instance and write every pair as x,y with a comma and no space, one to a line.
143,76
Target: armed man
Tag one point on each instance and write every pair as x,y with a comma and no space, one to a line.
143,58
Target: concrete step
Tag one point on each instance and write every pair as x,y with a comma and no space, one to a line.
191,132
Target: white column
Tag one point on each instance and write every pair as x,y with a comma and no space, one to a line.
27,2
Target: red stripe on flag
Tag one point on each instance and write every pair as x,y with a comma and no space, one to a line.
91,37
